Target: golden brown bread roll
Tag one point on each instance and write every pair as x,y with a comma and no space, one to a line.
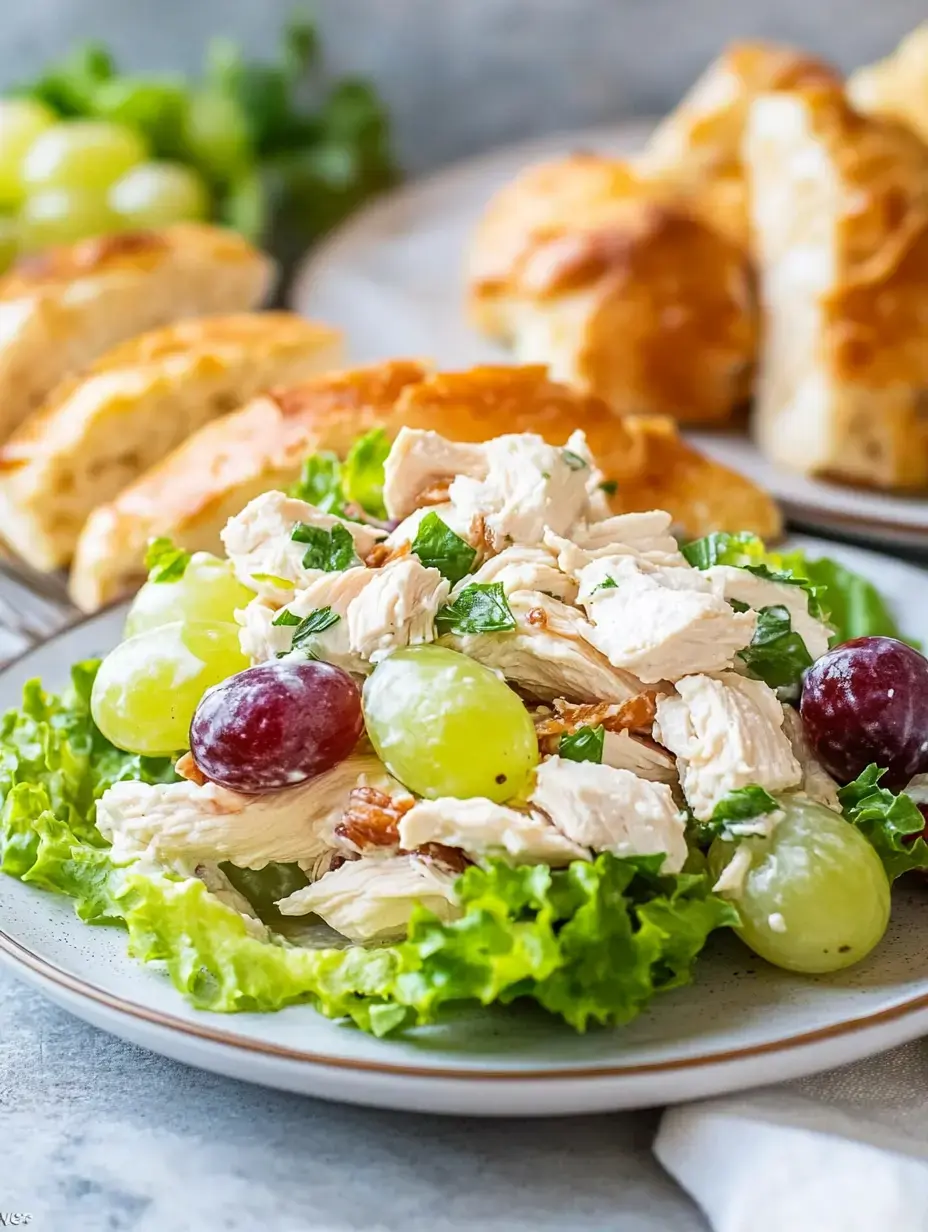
215,473
63,308
697,147
135,404
896,87
623,291
840,212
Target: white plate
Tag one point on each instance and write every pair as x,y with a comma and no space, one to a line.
392,280
741,1024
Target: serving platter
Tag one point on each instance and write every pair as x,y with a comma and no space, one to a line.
741,1024
392,279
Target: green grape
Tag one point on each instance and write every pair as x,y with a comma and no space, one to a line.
148,688
208,591
158,194
446,725
21,122
815,898
61,216
90,154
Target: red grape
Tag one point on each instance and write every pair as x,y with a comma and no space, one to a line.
276,725
867,701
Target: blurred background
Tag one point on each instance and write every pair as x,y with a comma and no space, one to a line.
462,75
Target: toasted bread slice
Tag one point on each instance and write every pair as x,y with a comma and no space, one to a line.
216,472
697,147
840,211
60,310
623,290
895,87
100,431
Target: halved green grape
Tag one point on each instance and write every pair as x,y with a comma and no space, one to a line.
446,725
90,154
815,898
157,194
21,122
208,591
148,688
61,216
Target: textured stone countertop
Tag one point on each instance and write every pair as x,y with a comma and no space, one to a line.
100,1136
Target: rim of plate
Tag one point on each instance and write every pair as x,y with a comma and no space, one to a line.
21,955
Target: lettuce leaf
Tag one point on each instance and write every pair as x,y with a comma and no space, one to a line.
54,765
851,605
592,943
892,824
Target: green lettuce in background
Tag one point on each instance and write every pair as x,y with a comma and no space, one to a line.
592,943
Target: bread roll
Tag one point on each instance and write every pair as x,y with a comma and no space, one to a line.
217,471
135,404
63,308
896,87
697,147
625,292
840,212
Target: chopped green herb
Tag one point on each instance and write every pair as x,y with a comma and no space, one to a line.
777,654
741,805
285,617
272,579
573,460
609,486
479,608
165,561
438,547
585,744
320,483
362,473
316,622
608,583
330,550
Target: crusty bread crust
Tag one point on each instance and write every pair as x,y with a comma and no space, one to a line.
622,288
217,471
895,87
866,422
60,310
135,404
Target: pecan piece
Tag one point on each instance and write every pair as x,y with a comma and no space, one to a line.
372,819
636,714
380,554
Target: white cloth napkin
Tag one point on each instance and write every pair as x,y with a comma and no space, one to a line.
844,1151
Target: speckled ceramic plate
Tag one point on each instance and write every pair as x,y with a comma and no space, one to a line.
392,280
741,1024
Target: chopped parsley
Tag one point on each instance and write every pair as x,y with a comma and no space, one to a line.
777,654
739,806
609,486
329,550
438,547
320,483
479,608
573,460
363,472
317,621
585,744
608,583
334,486
165,561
